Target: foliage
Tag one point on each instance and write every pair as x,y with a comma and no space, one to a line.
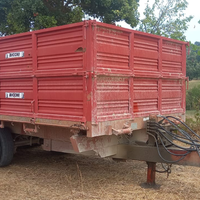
18,16
112,10
193,61
193,98
193,105
193,124
194,120
166,18
28,14
5,6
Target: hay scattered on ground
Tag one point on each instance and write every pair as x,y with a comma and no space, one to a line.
39,175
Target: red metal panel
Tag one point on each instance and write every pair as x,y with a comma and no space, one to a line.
92,72
160,79
172,58
35,84
61,96
94,76
12,105
88,64
60,50
112,50
112,98
16,66
145,55
183,81
145,97
172,96
131,79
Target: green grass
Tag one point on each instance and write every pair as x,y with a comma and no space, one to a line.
190,113
194,83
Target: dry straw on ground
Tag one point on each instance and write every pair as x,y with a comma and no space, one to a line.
39,175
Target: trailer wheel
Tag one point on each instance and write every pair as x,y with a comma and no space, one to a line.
6,147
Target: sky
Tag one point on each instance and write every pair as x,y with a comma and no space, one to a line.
193,32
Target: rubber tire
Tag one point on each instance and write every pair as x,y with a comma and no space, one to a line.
6,147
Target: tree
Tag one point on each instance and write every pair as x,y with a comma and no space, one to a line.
24,15
166,18
110,11
193,61
5,6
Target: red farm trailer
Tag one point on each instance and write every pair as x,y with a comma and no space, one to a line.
91,87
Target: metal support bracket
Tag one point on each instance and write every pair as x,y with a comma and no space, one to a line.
30,130
151,173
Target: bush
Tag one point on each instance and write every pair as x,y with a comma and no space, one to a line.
193,99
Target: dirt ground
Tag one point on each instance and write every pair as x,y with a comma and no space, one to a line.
39,175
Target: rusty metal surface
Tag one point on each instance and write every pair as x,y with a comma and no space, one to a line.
30,130
42,121
104,146
150,154
191,159
106,127
91,73
151,173
62,146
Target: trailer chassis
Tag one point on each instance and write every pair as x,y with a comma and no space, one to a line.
142,145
